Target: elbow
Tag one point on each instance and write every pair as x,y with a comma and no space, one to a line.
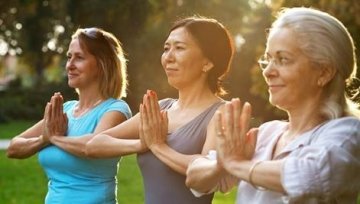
189,181
12,153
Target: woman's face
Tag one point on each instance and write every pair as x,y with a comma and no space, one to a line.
183,60
81,67
290,76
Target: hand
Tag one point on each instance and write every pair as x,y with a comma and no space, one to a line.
55,120
153,122
143,146
234,142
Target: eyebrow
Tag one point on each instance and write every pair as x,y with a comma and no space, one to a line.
281,52
176,42
74,53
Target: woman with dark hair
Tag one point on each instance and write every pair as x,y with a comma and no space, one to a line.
96,68
197,55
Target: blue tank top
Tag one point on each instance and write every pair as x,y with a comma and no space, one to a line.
80,180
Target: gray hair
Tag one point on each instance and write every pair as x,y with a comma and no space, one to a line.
326,42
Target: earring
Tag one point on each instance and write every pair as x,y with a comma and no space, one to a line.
320,83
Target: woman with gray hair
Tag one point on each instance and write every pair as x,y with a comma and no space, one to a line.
313,157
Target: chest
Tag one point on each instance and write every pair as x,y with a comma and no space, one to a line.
178,118
279,146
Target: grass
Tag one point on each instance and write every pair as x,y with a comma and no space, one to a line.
23,181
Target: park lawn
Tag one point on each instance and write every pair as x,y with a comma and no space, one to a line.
23,181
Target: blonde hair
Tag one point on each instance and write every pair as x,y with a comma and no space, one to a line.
110,58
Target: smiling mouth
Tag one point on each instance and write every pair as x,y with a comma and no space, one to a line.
171,69
71,76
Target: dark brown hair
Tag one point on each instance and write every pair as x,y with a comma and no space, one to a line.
216,44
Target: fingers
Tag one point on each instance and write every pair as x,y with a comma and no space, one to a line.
141,121
236,117
49,111
245,117
154,108
228,128
46,111
165,121
252,136
57,105
251,139
218,123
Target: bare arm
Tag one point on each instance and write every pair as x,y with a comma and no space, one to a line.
77,145
36,137
236,147
153,130
266,174
180,162
122,139
204,174
27,143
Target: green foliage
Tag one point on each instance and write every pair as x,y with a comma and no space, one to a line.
19,103
142,26
10,129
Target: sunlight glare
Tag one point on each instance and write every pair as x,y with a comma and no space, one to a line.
4,47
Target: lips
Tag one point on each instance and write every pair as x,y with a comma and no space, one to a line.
70,76
171,71
275,87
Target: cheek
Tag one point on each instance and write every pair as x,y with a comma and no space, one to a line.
162,60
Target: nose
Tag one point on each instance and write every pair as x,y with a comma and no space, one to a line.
69,64
168,55
269,71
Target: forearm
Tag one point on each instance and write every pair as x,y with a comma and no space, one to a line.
175,160
203,175
266,174
73,145
105,146
21,148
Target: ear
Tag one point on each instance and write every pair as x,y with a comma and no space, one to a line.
327,73
208,65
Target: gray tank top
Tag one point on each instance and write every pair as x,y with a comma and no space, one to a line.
163,185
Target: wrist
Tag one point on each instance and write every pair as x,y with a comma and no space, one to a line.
156,146
251,172
139,146
44,140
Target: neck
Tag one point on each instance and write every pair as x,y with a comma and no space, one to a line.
89,99
303,120
192,98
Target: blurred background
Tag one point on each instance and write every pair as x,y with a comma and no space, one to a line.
34,37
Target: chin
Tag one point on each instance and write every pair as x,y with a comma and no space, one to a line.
172,83
71,84
274,101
